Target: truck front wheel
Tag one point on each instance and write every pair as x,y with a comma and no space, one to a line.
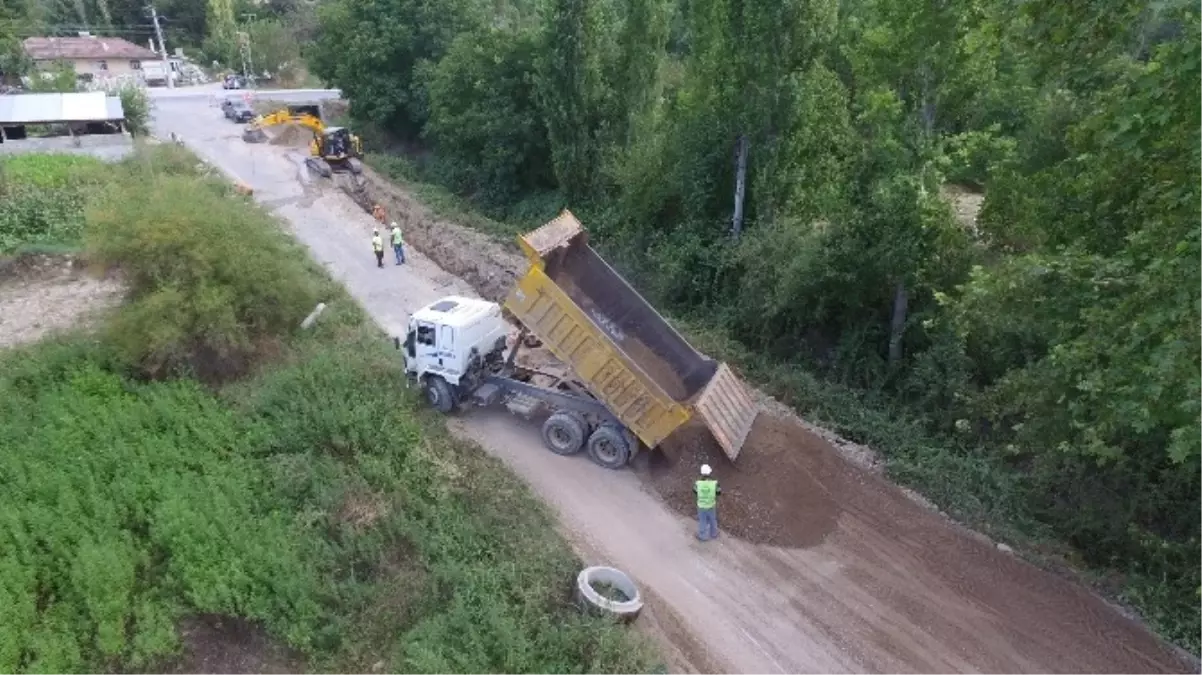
439,394
609,447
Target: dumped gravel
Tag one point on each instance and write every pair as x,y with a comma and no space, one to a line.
292,135
782,491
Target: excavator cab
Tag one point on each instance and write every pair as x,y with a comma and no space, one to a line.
337,143
340,149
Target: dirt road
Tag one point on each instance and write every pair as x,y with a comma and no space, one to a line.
880,585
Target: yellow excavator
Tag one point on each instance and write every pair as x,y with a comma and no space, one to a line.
332,150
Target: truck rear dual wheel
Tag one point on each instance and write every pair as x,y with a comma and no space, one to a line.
609,447
564,432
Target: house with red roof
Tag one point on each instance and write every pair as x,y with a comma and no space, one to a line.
92,56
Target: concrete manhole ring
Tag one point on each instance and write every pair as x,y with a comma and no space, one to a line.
587,594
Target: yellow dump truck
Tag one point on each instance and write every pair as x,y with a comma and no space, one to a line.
630,378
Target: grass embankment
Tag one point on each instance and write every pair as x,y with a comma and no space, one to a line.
199,454
974,485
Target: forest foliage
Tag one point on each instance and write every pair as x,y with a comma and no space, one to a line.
1054,338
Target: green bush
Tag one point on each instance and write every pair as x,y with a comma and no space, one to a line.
135,103
483,116
126,506
212,281
44,198
316,499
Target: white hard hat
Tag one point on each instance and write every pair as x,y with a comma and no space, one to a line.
706,470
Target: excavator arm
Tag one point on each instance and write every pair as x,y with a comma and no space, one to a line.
332,149
284,116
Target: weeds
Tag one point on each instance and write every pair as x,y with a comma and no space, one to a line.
212,281
44,197
315,498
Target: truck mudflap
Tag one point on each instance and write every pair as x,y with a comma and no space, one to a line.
726,407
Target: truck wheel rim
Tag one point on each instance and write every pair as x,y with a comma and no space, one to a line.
560,438
605,450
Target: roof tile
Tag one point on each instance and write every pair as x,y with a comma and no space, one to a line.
53,48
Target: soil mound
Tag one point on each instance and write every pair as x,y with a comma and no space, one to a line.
785,489
292,135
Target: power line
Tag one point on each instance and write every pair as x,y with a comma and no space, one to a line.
98,31
67,24
75,33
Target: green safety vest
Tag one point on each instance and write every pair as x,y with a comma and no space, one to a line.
707,494
396,237
377,244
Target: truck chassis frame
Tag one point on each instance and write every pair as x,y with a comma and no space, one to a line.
567,430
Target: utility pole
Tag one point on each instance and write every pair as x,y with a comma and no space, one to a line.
736,224
248,63
154,16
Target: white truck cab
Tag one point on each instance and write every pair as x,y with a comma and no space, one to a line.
456,349
447,338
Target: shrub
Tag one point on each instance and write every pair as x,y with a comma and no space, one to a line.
212,282
44,198
127,505
483,116
136,105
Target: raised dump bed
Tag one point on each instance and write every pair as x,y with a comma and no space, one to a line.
620,348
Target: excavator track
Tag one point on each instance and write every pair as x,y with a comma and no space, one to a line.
319,166
355,187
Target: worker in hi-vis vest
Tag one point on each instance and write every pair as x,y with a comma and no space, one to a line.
398,243
377,247
707,504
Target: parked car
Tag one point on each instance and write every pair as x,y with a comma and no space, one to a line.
237,110
233,82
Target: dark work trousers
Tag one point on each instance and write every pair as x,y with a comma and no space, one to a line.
379,258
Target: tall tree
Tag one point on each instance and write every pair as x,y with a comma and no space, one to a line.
15,15
641,43
373,49
566,97
748,50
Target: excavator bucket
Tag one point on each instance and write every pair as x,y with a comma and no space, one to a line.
254,135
